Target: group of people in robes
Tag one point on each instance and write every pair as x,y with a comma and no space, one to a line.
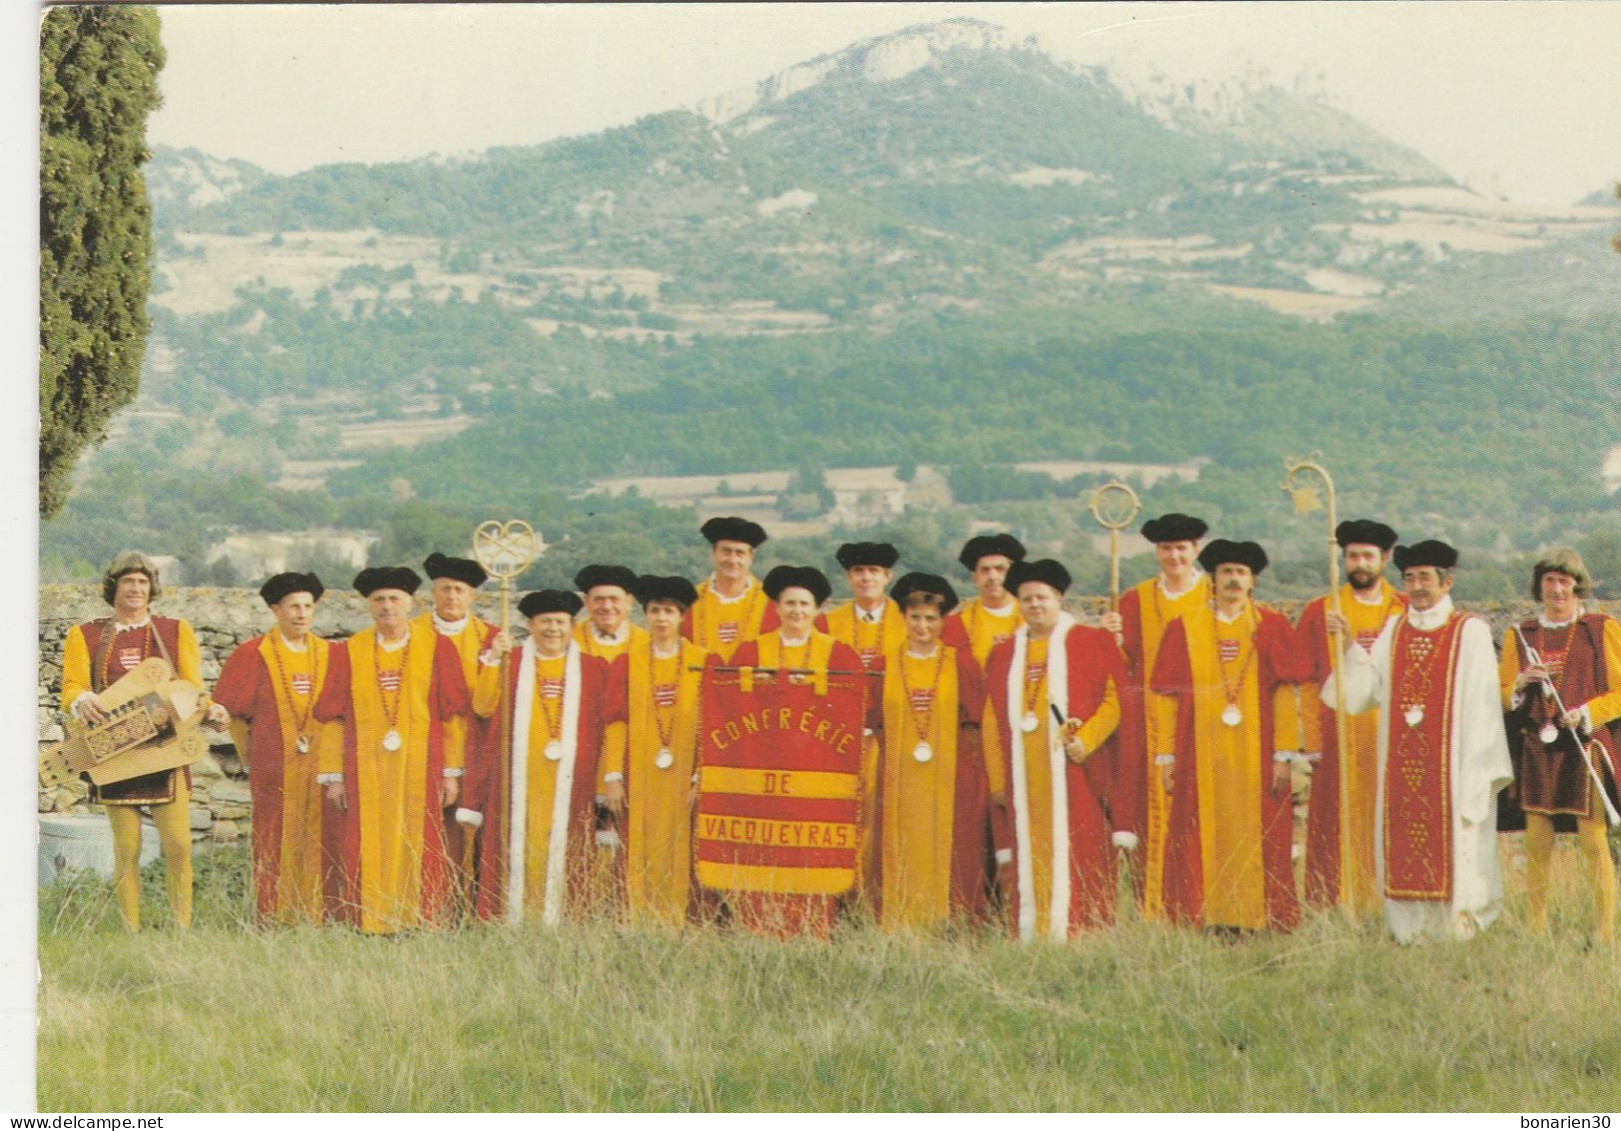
920,757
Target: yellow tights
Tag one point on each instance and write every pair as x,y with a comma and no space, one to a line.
173,819
1592,836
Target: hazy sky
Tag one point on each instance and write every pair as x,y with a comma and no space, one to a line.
1517,99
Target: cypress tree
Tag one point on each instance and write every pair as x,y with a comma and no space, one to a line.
98,69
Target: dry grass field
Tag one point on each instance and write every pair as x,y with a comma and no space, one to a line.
598,1017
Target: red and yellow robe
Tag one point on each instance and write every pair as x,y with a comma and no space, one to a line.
663,711
931,847
872,643
721,626
270,691
595,722
1148,724
1228,847
95,656
461,735
1585,657
1334,876
394,871
1046,809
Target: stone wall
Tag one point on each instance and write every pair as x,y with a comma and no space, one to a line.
223,619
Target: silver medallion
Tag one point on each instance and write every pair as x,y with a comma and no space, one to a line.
303,744
554,751
1549,734
1413,715
392,741
1232,716
1030,724
923,752
664,759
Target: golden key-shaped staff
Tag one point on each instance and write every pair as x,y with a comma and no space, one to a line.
1306,500
1114,505
505,549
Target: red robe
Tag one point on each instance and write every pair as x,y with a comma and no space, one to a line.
487,787
1277,662
1094,663
247,689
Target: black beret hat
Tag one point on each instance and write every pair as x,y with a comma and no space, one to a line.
457,569
594,575
1046,570
925,583
733,530
278,587
853,554
798,577
1365,532
549,601
676,589
1222,552
369,580
1175,527
984,545
1426,553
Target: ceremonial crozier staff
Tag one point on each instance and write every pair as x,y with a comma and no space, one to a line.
1055,691
1114,505
1560,677
779,788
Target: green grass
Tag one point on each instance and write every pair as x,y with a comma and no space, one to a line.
1334,1017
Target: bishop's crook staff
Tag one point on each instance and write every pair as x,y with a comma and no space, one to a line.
504,549
1114,505
1306,500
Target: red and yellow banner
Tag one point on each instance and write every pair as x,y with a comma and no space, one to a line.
779,785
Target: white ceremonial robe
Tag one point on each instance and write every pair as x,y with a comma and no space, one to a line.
1480,767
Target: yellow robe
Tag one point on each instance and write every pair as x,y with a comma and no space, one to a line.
591,646
1232,774
658,861
1159,726
742,618
469,644
919,797
1359,887
391,790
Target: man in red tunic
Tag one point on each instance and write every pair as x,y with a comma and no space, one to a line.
270,685
1577,654
1339,823
1055,691
532,786
1230,668
393,690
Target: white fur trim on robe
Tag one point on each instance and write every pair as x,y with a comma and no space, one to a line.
518,813
1058,697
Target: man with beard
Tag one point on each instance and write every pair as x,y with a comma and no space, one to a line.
1339,823
1148,723
1230,668
1443,754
